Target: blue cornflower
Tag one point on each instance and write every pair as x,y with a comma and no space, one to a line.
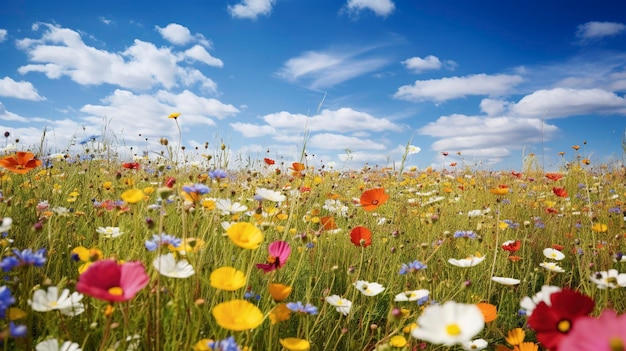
301,308
23,258
6,300
615,210
412,267
162,240
17,330
196,188
511,224
422,301
88,139
217,174
249,295
468,234
228,344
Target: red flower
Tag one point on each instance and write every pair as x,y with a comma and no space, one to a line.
269,161
109,281
516,174
278,253
361,236
512,245
560,192
554,176
371,199
170,182
131,165
553,323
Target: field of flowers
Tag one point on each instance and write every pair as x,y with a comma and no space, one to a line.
101,254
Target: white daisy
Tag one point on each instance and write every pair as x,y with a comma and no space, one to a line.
169,267
368,289
449,324
341,305
49,300
553,254
109,232
466,262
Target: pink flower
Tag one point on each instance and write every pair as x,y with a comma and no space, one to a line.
109,281
279,252
606,333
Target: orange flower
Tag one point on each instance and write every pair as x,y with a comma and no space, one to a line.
576,147
554,176
21,162
297,168
489,311
514,258
328,223
371,199
361,236
560,192
279,292
586,161
500,190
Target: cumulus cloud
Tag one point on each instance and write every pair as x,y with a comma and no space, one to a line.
597,30
564,102
19,90
326,68
456,87
181,35
62,52
381,8
430,62
344,119
251,9
200,54
334,141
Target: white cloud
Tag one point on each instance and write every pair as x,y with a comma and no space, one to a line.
322,69
250,130
175,34
251,9
564,102
418,64
493,107
381,8
333,141
455,87
62,52
199,53
19,90
344,119
596,30
105,20
3,35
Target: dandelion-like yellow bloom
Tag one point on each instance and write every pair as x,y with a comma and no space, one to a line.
279,292
245,235
295,344
227,278
237,315
398,341
132,196
599,228
174,115
515,336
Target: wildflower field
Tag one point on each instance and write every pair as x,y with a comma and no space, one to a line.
107,254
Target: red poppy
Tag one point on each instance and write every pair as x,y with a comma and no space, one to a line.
553,323
560,192
170,182
110,281
361,236
131,165
552,210
269,161
453,164
512,245
554,176
558,247
371,199
278,253
516,174
21,162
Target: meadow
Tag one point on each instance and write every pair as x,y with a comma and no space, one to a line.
100,253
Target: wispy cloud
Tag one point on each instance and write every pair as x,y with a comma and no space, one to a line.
251,9
381,8
326,68
443,89
3,35
596,30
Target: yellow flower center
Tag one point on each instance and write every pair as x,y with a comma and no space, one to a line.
453,329
116,290
564,326
616,344
271,259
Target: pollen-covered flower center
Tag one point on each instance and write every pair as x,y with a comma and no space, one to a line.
272,259
564,326
116,290
616,344
453,329
374,202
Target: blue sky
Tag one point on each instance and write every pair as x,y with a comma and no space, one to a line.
485,81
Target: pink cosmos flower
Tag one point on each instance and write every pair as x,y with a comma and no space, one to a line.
606,333
278,253
109,281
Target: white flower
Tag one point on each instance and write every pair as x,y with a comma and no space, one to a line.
53,345
412,295
270,195
466,262
228,207
478,344
553,254
335,206
341,305
552,267
169,267
609,279
449,324
49,300
528,304
367,288
5,224
433,200
412,149
109,232
505,281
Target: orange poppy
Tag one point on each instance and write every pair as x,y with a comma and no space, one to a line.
328,223
21,162
371,199
576,147
500,190
554,176
489,311
361,236
514,258
297,168
586,161
560,192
